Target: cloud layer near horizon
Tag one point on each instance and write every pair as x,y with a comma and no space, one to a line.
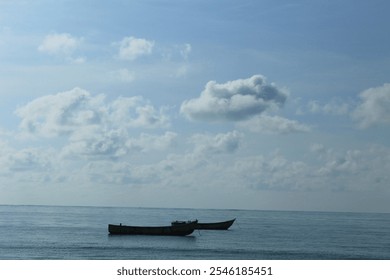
99,130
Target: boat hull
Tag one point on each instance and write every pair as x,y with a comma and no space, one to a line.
210,226
175,230
215,226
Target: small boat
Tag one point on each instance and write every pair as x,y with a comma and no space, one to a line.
210,226
181,229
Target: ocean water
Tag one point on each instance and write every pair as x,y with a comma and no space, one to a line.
80,233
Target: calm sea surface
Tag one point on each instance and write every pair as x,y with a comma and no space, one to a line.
47,232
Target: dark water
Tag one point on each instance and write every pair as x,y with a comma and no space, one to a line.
42,232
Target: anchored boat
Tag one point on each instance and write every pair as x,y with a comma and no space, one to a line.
210,226
180,229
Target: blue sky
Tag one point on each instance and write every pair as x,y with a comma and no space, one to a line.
280,105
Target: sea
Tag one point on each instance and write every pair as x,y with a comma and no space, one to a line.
80,233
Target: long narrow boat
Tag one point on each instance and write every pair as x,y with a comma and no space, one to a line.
181,229
210,226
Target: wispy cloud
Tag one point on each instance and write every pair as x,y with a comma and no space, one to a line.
216,144
332,108
353,169
273,125
185,50
123,75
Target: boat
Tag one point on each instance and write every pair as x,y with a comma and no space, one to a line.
210,226
181,229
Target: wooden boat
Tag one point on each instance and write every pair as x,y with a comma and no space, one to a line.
181,229
210,226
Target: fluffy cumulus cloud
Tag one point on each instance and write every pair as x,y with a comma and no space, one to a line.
374,107
137,112
69,112
94,126
61,113
62,44
130,48
235,100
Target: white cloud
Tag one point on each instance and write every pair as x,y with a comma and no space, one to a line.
220,143
93,126
137,112
273,125
130,48
76,111
173,170
148,142
109,144
235,100
374,107
62,44
96,143
62,113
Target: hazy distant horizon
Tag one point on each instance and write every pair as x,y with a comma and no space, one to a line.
192,208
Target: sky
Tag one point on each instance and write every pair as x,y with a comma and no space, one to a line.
268,105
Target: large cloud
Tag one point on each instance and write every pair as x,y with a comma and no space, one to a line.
235,100
77,110
94,126
374,108
61,113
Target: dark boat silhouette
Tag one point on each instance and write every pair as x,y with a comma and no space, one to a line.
181,229
210,226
